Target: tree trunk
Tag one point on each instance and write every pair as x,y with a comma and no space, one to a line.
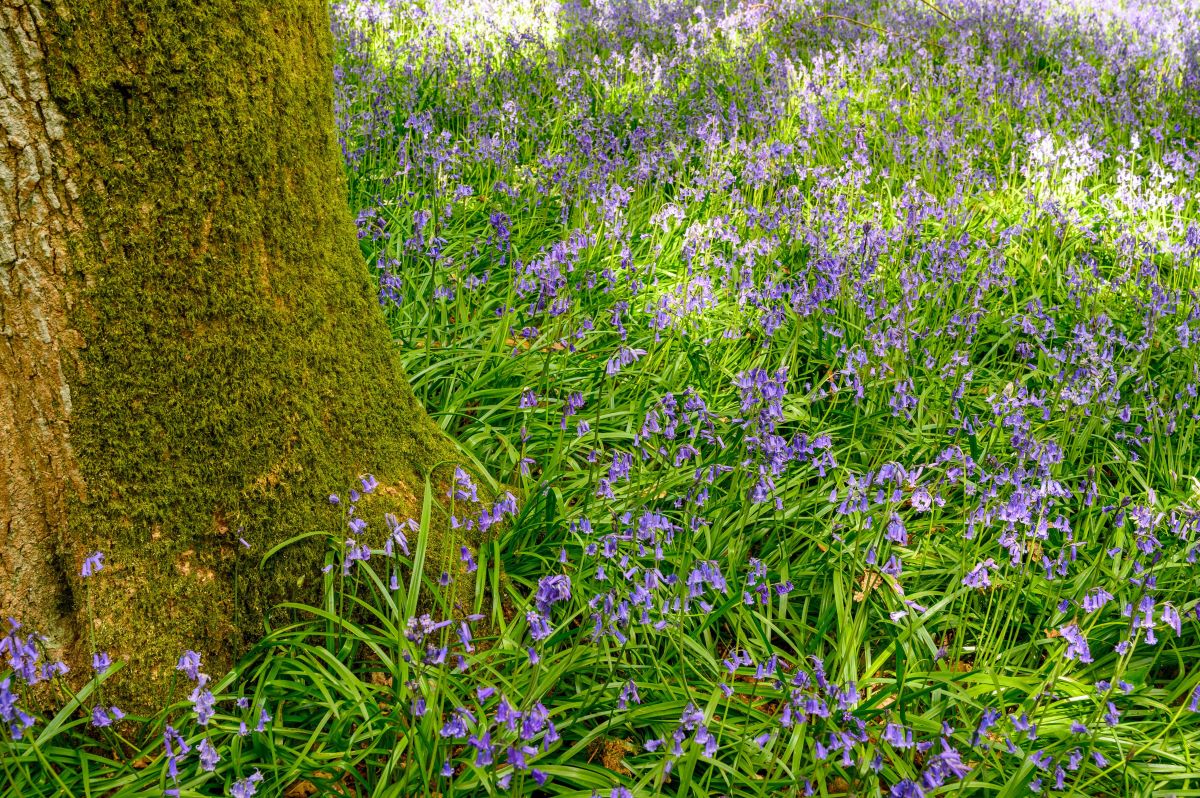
191,350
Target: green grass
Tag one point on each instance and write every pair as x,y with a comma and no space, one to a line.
1038,318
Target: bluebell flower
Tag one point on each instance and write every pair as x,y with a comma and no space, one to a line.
979,576
10,713
247,787
624,357
189,663
897,736
1077,646
208,756
552,590
92,564
538,628
1041,759
906,788
396,534
176,748
203,704
100,717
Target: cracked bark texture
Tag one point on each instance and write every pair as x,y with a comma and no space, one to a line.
191,348
38,471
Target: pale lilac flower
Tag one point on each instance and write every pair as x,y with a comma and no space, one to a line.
92,564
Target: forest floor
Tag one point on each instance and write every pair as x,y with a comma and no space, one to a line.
837,367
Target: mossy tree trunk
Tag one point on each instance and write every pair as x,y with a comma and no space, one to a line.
190,346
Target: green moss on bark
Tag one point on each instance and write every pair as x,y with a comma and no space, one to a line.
237,368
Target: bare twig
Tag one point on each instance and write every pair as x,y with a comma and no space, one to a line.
877,29
932,6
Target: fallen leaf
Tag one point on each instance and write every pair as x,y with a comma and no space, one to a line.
300,789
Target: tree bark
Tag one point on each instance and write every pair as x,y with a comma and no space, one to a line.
190,346
38,471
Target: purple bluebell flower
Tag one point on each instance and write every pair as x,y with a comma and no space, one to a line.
1077,646
629,693
552,590
896,532
176,748
100,717
897,736
1171,618
247,787
464,488
189,663
208,756
906,788
92,564
978,578
203,704
1096,599
396,536
538,628
624,357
